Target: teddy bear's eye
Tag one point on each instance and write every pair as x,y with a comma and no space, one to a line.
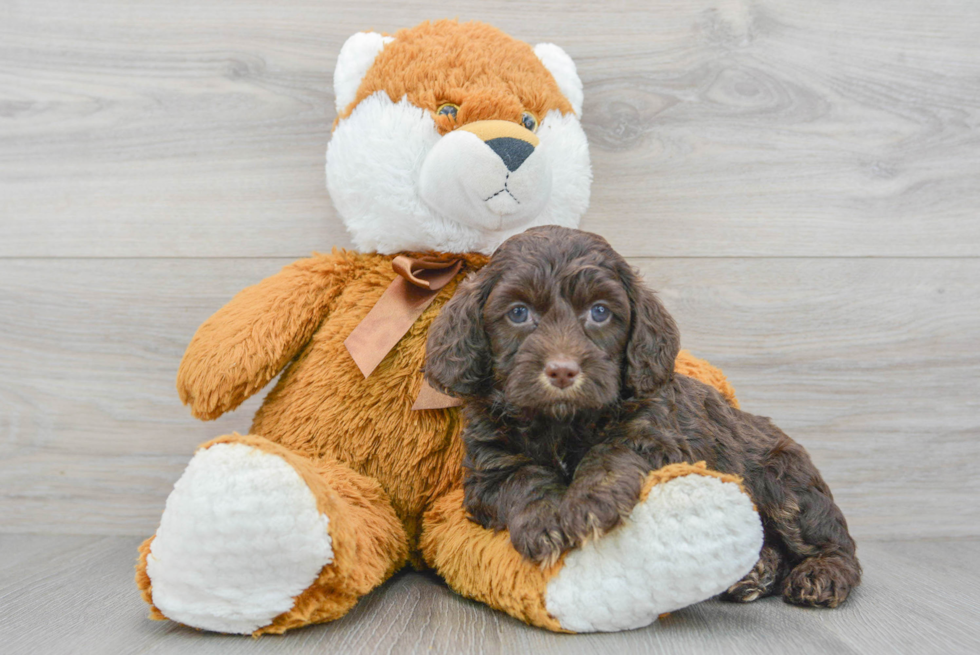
447,109
529,121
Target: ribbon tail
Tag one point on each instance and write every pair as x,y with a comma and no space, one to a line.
429,398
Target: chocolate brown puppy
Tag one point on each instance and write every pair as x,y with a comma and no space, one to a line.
566,363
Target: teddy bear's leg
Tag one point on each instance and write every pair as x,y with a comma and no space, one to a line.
256,538
693,534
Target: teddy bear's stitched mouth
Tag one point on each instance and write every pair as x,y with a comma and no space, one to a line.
503,190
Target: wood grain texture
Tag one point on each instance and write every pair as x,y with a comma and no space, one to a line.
869,363
800,180
75,594
718,127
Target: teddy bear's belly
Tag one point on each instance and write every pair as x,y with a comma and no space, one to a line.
323,406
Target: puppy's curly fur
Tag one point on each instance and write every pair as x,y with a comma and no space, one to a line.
566,363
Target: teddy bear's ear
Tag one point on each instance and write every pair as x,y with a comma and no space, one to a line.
353,62
562,68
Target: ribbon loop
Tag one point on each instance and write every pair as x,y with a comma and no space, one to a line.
427,272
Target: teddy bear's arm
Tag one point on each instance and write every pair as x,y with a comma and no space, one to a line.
248,341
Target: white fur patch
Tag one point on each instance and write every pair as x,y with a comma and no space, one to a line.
564,143
374,164
464,179
562,68
355,59
691,539
240,538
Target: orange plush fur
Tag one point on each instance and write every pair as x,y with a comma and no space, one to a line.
458,63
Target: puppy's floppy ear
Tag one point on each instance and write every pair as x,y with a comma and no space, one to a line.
654,339
457,357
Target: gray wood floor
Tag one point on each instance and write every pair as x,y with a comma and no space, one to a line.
918,597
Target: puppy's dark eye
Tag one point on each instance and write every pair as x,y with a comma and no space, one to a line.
529,121
518,314
448,109
600,313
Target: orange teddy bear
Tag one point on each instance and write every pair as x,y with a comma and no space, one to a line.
450,137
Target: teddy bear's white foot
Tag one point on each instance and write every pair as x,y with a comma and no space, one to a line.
688,540
240,538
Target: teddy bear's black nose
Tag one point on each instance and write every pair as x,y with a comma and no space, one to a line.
512,151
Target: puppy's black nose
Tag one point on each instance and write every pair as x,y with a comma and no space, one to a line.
512,151
561,372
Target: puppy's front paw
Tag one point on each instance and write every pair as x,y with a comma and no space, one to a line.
821,581
587,518
537,535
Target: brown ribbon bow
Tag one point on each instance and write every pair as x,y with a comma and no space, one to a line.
418,282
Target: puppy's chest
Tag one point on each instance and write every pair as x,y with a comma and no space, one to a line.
561,446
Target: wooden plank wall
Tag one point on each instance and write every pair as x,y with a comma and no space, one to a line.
800,179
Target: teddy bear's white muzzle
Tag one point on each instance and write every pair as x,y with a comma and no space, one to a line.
499,184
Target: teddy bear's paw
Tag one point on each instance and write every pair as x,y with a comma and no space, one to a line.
688,539
240,538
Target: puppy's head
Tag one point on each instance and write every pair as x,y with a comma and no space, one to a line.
556,322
